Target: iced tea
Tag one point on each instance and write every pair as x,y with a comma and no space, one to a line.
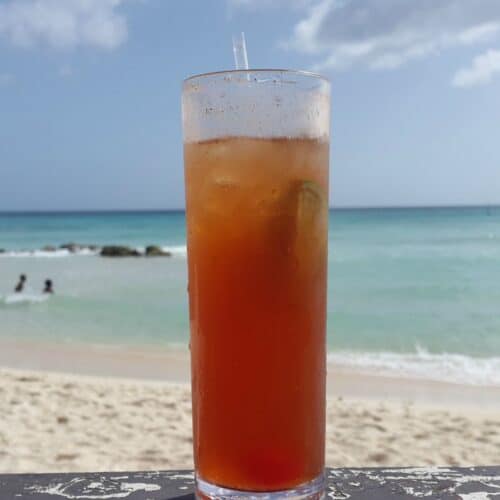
257,216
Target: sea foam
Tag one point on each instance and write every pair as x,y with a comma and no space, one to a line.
175,250
455,368
23,298
61,252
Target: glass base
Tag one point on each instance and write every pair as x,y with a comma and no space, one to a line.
313,490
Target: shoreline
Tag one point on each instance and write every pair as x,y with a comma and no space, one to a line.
171,365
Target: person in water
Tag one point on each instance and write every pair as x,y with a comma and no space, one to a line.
48,287
20,285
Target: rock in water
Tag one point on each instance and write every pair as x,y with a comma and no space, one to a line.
49,248
156,251
71,247
119,251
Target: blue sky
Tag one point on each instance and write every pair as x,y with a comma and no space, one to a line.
90,95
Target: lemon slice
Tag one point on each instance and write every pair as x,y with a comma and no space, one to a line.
311,223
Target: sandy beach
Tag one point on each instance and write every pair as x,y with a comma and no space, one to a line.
131,414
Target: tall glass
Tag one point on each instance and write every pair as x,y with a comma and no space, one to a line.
256,154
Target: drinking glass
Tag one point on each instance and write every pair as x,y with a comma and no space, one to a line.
256,156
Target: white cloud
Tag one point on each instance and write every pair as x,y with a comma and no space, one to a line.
6,79
383,34
63,24
480,72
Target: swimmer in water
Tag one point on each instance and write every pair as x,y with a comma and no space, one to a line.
48,287
20,285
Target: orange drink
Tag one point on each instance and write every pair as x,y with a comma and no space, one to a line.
257,219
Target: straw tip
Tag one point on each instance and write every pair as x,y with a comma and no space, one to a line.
240,51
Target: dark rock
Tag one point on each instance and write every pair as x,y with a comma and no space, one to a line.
77,247
72,247
2,250
156,251
119,251
49,248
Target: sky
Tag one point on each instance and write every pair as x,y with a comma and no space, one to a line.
90,95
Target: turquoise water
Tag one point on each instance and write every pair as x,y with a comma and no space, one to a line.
34,231
410,290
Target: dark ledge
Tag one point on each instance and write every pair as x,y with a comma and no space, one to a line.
475,483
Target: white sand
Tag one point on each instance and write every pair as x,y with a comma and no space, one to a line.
54,422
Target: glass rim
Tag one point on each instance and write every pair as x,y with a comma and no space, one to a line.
300,72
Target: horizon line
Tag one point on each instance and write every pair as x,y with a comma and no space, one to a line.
182,210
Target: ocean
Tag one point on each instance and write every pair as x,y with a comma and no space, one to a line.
413,292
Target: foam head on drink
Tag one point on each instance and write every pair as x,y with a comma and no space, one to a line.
257,217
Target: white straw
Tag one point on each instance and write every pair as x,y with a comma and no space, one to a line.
240,51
